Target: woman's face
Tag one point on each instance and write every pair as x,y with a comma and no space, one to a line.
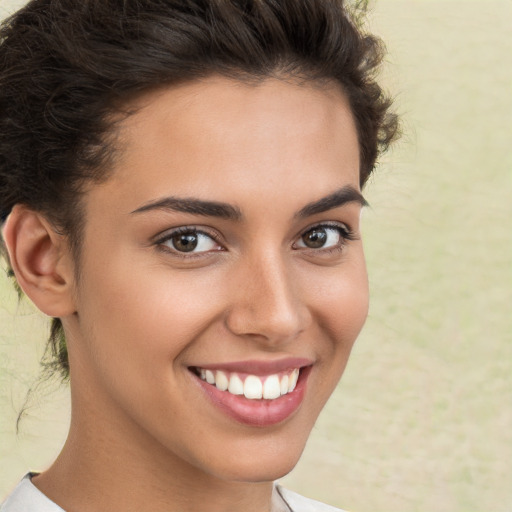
224,251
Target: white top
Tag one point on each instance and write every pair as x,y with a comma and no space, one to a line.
26,497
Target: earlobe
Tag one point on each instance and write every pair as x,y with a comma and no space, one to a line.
40,260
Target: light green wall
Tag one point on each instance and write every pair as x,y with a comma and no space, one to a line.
9,6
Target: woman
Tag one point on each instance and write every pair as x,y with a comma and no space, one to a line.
180,190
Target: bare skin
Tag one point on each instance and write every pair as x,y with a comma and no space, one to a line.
144,435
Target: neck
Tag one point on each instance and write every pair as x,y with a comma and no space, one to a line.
118,468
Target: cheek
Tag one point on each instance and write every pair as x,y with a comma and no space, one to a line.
342,300
341,307
142,320
137,330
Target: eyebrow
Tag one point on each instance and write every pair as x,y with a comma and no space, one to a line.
193,206
347,194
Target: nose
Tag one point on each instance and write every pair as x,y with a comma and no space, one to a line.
266,302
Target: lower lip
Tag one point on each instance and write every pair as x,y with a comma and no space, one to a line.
257,413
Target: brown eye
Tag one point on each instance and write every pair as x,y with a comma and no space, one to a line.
188,240
324,237
185,243
315,238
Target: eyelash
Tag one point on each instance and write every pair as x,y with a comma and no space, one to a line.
345,232
185,230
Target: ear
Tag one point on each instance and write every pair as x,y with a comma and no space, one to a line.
41,261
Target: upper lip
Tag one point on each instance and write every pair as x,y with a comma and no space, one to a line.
259,367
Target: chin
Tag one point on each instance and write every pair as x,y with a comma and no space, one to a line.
263,470
263,461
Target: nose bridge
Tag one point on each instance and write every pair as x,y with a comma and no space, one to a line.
267,303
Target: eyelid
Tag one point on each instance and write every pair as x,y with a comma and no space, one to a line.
346,233
160,239
344,229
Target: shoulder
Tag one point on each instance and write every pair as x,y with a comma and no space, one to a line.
26,497
298,503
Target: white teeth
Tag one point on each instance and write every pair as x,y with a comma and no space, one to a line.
221,381
210,377
284,385
253,388
292,382
236,386
272,387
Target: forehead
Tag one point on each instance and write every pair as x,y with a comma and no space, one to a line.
220,137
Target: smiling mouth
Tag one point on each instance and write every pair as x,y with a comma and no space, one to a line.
256,393
252,387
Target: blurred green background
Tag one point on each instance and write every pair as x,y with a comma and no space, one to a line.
422,420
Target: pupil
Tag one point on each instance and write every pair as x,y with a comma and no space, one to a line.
315,238
185,243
